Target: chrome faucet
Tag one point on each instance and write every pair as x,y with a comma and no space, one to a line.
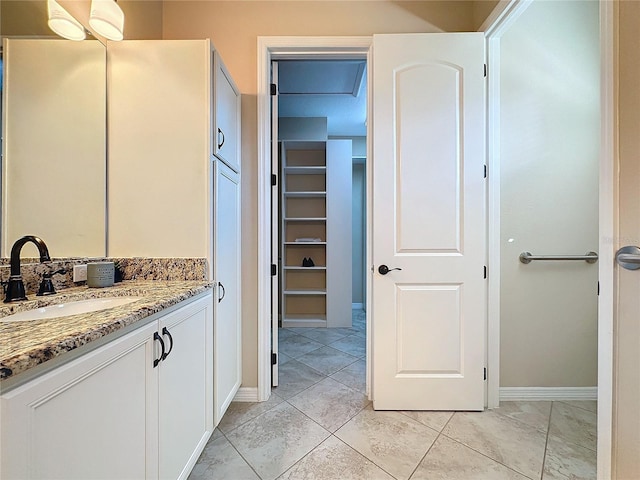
15,288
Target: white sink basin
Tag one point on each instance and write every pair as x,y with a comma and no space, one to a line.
69,308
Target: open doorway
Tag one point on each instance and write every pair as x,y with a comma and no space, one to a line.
319,223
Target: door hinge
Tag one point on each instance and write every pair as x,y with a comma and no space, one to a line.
274,179
485,271
485,70
274,358
274,89
485,171
274,270
485,374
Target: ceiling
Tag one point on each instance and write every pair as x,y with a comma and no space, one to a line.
336,89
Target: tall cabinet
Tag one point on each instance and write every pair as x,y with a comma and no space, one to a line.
174,174
315,234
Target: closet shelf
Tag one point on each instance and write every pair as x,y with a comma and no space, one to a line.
305,194
315,170
291,267
305,244
304,320
315,204
305,292
305,219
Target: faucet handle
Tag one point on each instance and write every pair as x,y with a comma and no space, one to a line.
46,286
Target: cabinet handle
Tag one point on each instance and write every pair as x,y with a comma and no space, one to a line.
156,361
220,132
166,332
224,292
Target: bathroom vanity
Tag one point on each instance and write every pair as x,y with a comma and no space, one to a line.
119,393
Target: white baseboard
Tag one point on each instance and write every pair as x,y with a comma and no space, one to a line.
246,394
357,306
548,393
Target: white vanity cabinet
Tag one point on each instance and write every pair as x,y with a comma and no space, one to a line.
185,387
111,413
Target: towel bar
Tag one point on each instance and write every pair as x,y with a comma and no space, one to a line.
528,257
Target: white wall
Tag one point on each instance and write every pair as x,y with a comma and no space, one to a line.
549,188
358,233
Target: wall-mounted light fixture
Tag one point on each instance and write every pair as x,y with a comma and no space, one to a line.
107,19
62,23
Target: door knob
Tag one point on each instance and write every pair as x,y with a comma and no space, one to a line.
383,269
629,257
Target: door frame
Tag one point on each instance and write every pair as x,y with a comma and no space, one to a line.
279,48
496,24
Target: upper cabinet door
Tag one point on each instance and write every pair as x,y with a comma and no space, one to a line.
226,108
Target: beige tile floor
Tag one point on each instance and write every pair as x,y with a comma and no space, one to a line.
318,424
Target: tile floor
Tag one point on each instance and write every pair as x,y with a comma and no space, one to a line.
318,424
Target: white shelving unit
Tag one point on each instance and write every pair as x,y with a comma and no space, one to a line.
311,208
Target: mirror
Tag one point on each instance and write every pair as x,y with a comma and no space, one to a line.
54,135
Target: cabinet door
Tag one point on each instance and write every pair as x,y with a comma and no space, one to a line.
226,125
186,387
227,329
92,418
159,111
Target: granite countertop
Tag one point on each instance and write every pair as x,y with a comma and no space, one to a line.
27,344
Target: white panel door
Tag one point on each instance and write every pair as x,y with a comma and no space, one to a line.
429,222
227,333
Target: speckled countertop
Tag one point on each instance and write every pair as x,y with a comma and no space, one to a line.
27,344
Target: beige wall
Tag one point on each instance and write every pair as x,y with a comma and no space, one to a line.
143,20
18,17
234,25
549,157
626,457
481,10
234,28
